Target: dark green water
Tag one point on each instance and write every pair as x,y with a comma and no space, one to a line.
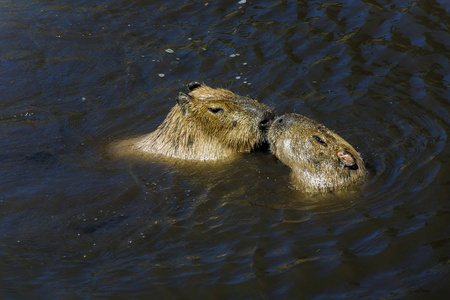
76,75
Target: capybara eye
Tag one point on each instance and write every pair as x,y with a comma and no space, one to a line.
318,139
215,110
353,167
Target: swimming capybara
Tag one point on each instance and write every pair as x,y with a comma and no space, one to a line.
206,124
321,161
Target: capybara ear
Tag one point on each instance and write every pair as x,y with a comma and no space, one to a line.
347,159
184,101
194,85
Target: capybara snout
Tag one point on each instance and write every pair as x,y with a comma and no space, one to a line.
266,120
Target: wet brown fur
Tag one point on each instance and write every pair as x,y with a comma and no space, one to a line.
321,161
207,124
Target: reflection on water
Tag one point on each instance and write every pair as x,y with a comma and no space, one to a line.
76,76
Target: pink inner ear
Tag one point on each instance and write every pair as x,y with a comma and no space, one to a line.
346,158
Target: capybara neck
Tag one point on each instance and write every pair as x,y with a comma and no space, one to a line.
188,144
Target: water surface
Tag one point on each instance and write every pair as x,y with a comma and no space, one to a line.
77,75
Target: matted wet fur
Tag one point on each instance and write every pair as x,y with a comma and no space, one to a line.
206,124
321,161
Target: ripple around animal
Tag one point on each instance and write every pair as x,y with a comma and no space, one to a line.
77,76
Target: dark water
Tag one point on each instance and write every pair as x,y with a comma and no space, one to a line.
76,75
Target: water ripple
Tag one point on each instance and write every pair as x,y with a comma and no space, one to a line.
77,76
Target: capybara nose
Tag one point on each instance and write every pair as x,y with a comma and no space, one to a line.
267,118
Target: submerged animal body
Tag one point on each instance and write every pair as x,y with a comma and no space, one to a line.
321,160
206,124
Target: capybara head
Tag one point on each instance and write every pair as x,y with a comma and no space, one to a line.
321,161
234,121
207,124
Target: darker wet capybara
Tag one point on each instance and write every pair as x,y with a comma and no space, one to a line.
321,161
206,124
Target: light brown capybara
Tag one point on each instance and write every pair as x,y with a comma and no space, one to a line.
206,124
321,160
